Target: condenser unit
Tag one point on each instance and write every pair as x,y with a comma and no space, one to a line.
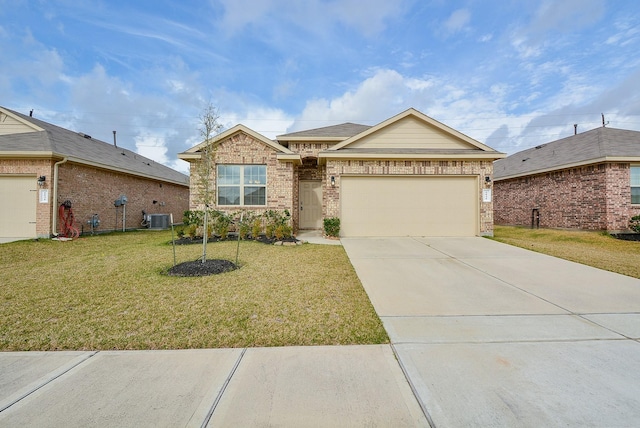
159,221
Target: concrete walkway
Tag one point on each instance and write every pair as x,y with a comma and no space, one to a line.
494,335
329,386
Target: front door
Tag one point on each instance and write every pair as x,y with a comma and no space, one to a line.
310,205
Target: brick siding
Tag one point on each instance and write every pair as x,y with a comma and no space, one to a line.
94,191
244,149
594,197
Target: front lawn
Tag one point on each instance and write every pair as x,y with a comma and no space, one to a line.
109,292
595,249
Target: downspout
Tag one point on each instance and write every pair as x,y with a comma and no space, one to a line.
54,198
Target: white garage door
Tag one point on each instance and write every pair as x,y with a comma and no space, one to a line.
409,206
18,213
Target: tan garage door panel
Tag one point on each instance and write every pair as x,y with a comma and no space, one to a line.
409,206
18,213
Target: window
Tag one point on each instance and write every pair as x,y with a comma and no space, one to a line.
635,184
242,184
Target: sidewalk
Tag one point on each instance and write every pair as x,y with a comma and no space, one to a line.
329,386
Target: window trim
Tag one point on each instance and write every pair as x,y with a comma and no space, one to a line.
241,186
631,185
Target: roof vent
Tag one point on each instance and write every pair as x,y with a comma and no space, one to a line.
84,135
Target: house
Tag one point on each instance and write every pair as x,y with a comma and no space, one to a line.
408,175
586,181
43,165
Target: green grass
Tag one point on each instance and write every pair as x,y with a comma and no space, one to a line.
595,249
109,292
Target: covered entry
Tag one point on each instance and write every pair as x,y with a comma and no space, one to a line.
18,213
409,205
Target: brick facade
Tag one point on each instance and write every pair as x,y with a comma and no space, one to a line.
336,168
93,191
244,149
593,197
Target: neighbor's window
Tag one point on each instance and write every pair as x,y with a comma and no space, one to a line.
635,184
242,185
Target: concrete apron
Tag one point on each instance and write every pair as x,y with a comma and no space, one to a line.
293,386
493,335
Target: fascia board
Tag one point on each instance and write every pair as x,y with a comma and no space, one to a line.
623,159
324,156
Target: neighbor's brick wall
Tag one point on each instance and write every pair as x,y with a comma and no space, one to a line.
331,202
244,149
594,197
35,168
93,191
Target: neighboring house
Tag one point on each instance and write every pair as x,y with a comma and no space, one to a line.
587,181
409,175
43,165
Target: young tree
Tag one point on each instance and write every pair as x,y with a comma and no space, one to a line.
209,128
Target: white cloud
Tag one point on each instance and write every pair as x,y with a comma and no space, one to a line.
457,21
264,120
317,16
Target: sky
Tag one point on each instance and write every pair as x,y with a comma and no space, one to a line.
511,74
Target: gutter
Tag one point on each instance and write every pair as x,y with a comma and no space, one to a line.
54,198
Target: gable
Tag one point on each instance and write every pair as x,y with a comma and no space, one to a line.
11,124
410,133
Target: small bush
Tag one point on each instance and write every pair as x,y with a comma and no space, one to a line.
634,223
332,226
221,224
256,227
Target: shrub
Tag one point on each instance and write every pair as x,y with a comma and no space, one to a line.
256,227
634,223
221,223
332,226
278,221
190,230
244,222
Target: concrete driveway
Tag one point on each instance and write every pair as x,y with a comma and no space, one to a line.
493,335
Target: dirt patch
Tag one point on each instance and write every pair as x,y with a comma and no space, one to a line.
198,268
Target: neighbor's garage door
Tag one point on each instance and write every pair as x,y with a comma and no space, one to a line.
18,212
409,206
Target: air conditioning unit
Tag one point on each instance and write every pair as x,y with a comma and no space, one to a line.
159,221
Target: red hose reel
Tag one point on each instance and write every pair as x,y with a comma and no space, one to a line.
67,229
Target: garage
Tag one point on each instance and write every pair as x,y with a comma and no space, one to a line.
409,206
18,213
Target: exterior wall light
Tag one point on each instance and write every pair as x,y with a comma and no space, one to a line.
333,181
487,179
41,180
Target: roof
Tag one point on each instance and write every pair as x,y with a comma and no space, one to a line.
51,140
333,133
590,147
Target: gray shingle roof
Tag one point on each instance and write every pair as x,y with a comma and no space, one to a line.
66,143
592,146
343,130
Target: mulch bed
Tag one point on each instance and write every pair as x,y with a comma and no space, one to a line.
627,236
197,268
185,240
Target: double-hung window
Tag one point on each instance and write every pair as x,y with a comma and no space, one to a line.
635,184
242,185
